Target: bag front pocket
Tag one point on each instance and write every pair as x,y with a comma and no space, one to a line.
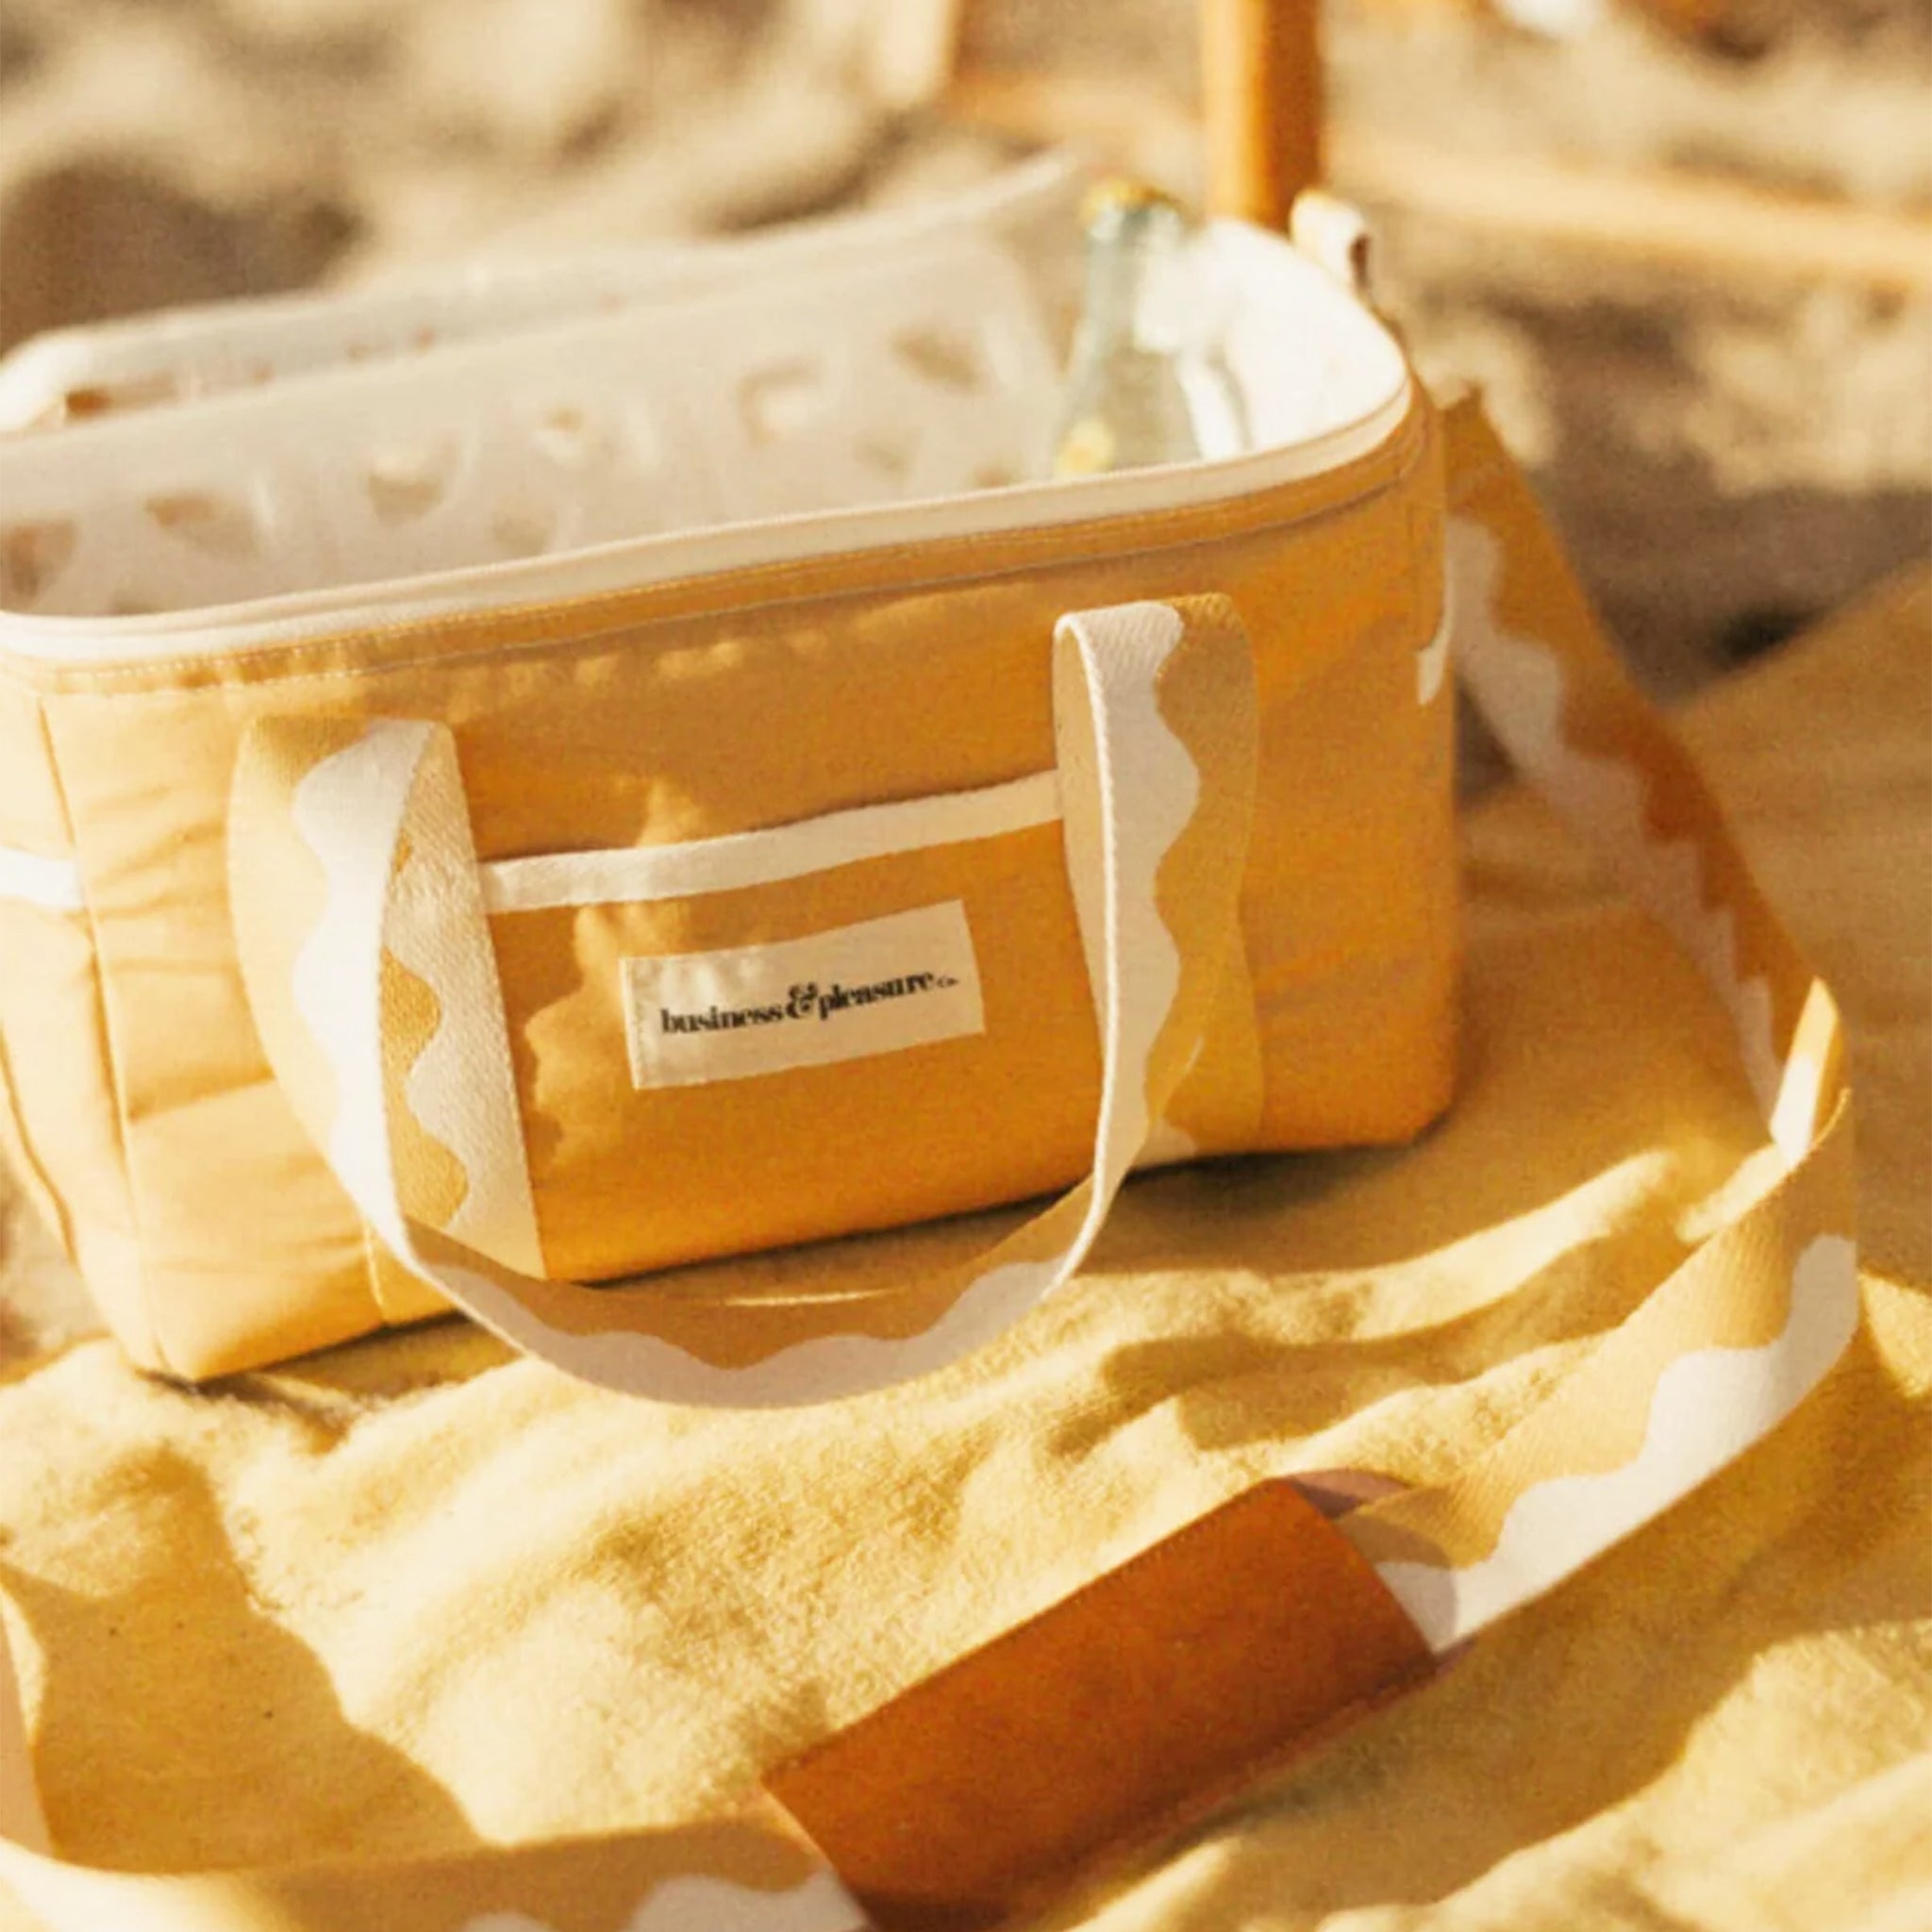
451,1078
853,1021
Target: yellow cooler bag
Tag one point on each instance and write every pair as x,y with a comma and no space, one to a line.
519,783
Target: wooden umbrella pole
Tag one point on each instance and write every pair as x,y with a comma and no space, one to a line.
1261,85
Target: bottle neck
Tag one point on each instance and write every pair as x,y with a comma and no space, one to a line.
1123,259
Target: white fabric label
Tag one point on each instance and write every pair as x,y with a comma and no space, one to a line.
905,980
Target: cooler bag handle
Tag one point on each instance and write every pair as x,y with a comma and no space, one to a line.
1728,1344
360,916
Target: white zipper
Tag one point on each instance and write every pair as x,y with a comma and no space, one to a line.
617,567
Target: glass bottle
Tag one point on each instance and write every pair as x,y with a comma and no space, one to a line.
1142,386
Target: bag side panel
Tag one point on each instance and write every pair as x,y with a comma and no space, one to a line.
250,1250
60,1121
1351,905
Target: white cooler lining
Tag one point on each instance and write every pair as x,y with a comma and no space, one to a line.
1326,383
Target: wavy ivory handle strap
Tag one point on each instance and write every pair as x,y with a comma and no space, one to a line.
1728,1344
1710,1361
360,916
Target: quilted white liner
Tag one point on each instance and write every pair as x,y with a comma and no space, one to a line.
202,351
883,383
